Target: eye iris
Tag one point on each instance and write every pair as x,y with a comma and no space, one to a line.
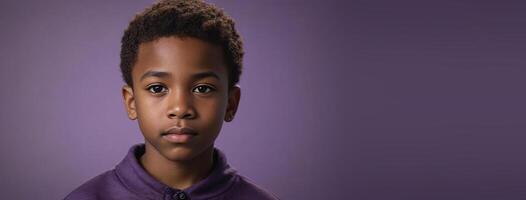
157,88
202,88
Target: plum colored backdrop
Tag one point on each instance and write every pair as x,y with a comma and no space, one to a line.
364,100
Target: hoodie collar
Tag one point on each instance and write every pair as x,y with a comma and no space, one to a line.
139,182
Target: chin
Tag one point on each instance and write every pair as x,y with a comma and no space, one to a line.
179,153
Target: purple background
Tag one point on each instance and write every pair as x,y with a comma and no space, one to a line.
340,100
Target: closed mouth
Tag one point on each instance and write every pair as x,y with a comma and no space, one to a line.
179,131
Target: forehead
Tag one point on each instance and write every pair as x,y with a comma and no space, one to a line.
179,54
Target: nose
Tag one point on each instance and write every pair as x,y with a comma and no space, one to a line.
181,106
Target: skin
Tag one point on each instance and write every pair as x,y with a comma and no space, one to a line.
178,98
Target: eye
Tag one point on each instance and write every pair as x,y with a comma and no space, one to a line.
157,89
203,89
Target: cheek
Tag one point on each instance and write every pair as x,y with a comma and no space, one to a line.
147,113
149,105
211,110
211,117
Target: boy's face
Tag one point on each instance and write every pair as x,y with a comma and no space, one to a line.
180,82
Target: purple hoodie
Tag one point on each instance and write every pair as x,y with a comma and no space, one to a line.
130,181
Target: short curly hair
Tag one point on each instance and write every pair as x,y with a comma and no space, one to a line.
183,18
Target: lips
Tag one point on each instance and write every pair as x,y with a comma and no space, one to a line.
179,134
180,131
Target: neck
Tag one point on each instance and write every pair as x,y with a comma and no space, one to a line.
177,174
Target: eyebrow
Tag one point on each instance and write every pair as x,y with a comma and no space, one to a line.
206,74
155,74
162,74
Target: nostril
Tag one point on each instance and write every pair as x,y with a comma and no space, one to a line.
184,116
188,115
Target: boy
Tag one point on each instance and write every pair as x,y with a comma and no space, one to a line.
181,61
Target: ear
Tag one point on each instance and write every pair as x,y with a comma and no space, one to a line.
129,101
233,102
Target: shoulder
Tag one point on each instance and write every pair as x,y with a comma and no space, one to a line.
247,189
97,187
